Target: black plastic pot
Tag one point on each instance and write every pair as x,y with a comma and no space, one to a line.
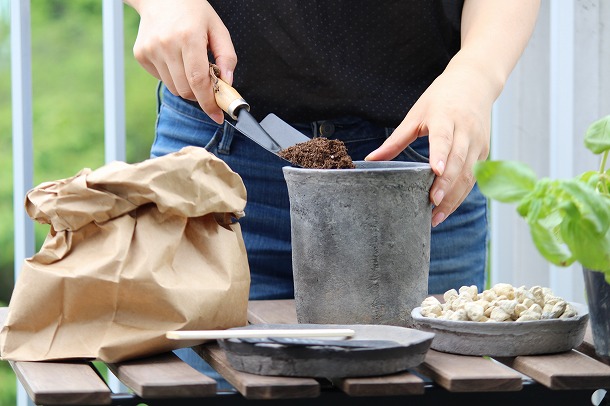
598,300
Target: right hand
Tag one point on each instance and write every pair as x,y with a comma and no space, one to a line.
172,44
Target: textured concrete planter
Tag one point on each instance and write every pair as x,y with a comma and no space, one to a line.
598,300
360,242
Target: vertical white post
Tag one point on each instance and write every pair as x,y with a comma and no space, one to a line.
502,216
114,101
520,132
561,102
21,82
114,81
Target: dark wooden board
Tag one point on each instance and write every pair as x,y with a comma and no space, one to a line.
163,376
568,370
463,373
62,383
258,386
403,383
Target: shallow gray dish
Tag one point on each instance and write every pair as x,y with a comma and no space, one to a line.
330,361
505,339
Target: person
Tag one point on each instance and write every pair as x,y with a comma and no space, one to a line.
406,80
410,80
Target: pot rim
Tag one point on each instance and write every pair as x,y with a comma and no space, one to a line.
368,166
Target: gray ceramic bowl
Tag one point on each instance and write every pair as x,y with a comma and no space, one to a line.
505,339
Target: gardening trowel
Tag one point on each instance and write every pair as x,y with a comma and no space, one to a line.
272,133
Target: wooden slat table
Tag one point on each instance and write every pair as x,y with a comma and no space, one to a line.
567,378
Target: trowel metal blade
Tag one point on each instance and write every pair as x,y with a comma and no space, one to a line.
282,132
247,125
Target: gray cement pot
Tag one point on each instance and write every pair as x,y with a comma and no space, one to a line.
360,242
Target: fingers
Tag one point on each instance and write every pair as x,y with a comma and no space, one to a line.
450,189
172,45
461,150
449,205
225,58
454,148
143,56
441,140
197,66
196,73
408,130
447,157
224,53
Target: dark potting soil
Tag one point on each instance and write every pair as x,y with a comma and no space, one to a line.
319,153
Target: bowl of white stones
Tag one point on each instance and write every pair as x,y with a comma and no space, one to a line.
504,321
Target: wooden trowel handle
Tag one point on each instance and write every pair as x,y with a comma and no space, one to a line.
228,99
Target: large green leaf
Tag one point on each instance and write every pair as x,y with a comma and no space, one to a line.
505,181
589,248
597,137
584,204
540,203
550,245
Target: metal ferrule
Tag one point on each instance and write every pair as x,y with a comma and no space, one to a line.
234,107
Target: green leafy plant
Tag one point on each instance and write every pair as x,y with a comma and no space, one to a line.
569,219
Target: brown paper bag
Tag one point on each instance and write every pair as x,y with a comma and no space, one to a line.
133,251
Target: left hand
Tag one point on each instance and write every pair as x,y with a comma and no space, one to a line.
455,112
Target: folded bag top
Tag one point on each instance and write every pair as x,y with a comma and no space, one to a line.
134,250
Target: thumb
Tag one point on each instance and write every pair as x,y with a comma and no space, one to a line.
226,66
225,57
400,139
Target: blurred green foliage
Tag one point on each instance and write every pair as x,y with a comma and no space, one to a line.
8,385
68,105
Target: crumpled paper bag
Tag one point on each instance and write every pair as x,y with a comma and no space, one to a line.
133,252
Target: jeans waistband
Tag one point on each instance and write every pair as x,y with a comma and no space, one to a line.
349,129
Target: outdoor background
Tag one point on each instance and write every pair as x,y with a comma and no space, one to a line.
68,112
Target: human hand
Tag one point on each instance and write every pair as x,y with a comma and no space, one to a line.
455,111
172,44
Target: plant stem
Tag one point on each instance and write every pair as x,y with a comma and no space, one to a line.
602,168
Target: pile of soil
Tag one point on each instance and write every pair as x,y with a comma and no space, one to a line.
319,153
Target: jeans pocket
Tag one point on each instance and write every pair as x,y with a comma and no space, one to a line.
417,151
411,155
180,124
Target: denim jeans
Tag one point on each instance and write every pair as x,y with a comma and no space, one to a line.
458,246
